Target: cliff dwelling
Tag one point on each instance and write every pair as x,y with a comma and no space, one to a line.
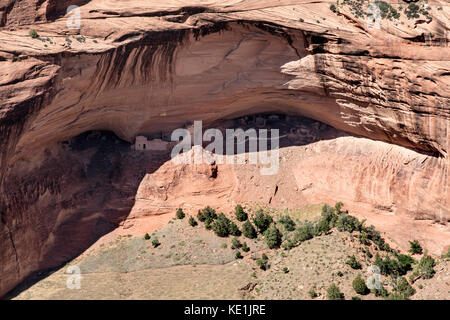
86,117
142,143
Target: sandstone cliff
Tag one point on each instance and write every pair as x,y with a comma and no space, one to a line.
141,67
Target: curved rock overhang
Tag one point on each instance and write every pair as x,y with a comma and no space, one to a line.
199,64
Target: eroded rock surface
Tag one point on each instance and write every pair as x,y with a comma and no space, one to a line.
141,67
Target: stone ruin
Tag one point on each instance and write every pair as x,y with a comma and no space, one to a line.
143,144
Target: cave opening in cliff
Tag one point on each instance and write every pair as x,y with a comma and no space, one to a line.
88,185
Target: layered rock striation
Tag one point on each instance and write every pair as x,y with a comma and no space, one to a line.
142,67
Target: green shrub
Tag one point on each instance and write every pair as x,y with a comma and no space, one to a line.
207,214
288,244
192,221
404,288
262,221
263,263
81,39
415,247
329,213
285,270
334,293
33,34
338,206
155,242
412,11
333,7
248,230
387,11
180,214
241,215
356,298
367,252
208,224
382,292
147,236
360,285
235,243
426,266
373,235
353,263
346,222
201,216
322,227
234,230
404,263
245,248
312,293
287,222
364,238
238,255
272,236
303,233
399,266
221,226
387,265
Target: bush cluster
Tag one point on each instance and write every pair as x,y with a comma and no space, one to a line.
363,9
262,220
397,266
155,242
426,267
223,226
192,221
180,214
369,234
33,34
412,11
248,230
273,237
404,288
359,285
353,263
415,247
207,215
241,215
287,223
333,8
235,243
334,293
263,263
387,11
303,233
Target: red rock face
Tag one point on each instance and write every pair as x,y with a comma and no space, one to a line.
140,67
16,13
